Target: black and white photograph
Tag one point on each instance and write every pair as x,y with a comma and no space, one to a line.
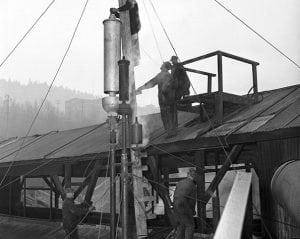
149,119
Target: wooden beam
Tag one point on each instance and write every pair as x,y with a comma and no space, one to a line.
231,158
85,182
199,58
200,72
232,220
92,183
59,186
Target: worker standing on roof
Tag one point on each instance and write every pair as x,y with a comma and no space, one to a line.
72,215
135,26
166,96
179,74
184,205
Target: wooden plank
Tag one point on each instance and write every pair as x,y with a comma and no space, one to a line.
139,206
231,223
200,72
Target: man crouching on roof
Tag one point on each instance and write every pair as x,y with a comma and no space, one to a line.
166,97
72,214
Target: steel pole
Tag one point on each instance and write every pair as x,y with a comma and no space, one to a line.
112,181
124,174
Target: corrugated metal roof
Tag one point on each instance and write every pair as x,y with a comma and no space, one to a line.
278,109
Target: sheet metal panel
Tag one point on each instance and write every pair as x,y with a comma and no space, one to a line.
283,118
95,142
258,109
284,103
46,144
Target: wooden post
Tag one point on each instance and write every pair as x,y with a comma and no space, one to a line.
216,198
219,103
254,75
51,204
68,171
165,172
10,196
209,84
24,197
200,170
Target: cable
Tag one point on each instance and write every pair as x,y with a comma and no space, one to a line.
48,91
258,34
156,41
19,42
163,28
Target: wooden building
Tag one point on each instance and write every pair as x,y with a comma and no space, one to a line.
260,135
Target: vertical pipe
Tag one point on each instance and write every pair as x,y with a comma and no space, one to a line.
254,75
124,174
112,185
51,204
219,103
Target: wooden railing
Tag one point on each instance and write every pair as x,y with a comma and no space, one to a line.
220,55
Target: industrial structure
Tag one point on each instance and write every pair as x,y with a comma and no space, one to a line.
218,132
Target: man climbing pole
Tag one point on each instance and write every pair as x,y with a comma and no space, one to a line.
135,25
184,205
72,215
179,74
166,97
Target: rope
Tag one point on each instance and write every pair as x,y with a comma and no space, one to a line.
28,31
258,34
48,91
156,41
163,28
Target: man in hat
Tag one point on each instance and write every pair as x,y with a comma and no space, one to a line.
184,205
179,74
72,214
166,96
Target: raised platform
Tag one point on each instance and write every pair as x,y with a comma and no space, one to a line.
210,101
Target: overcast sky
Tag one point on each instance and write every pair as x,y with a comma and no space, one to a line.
195,27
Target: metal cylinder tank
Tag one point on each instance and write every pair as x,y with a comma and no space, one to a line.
136,132
112,53
124,79
285,187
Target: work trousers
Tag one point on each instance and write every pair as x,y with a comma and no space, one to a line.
186,227
169,116
71,233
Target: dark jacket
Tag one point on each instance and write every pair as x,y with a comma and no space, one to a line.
135,23
180,76
185,197
166,87
71,214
